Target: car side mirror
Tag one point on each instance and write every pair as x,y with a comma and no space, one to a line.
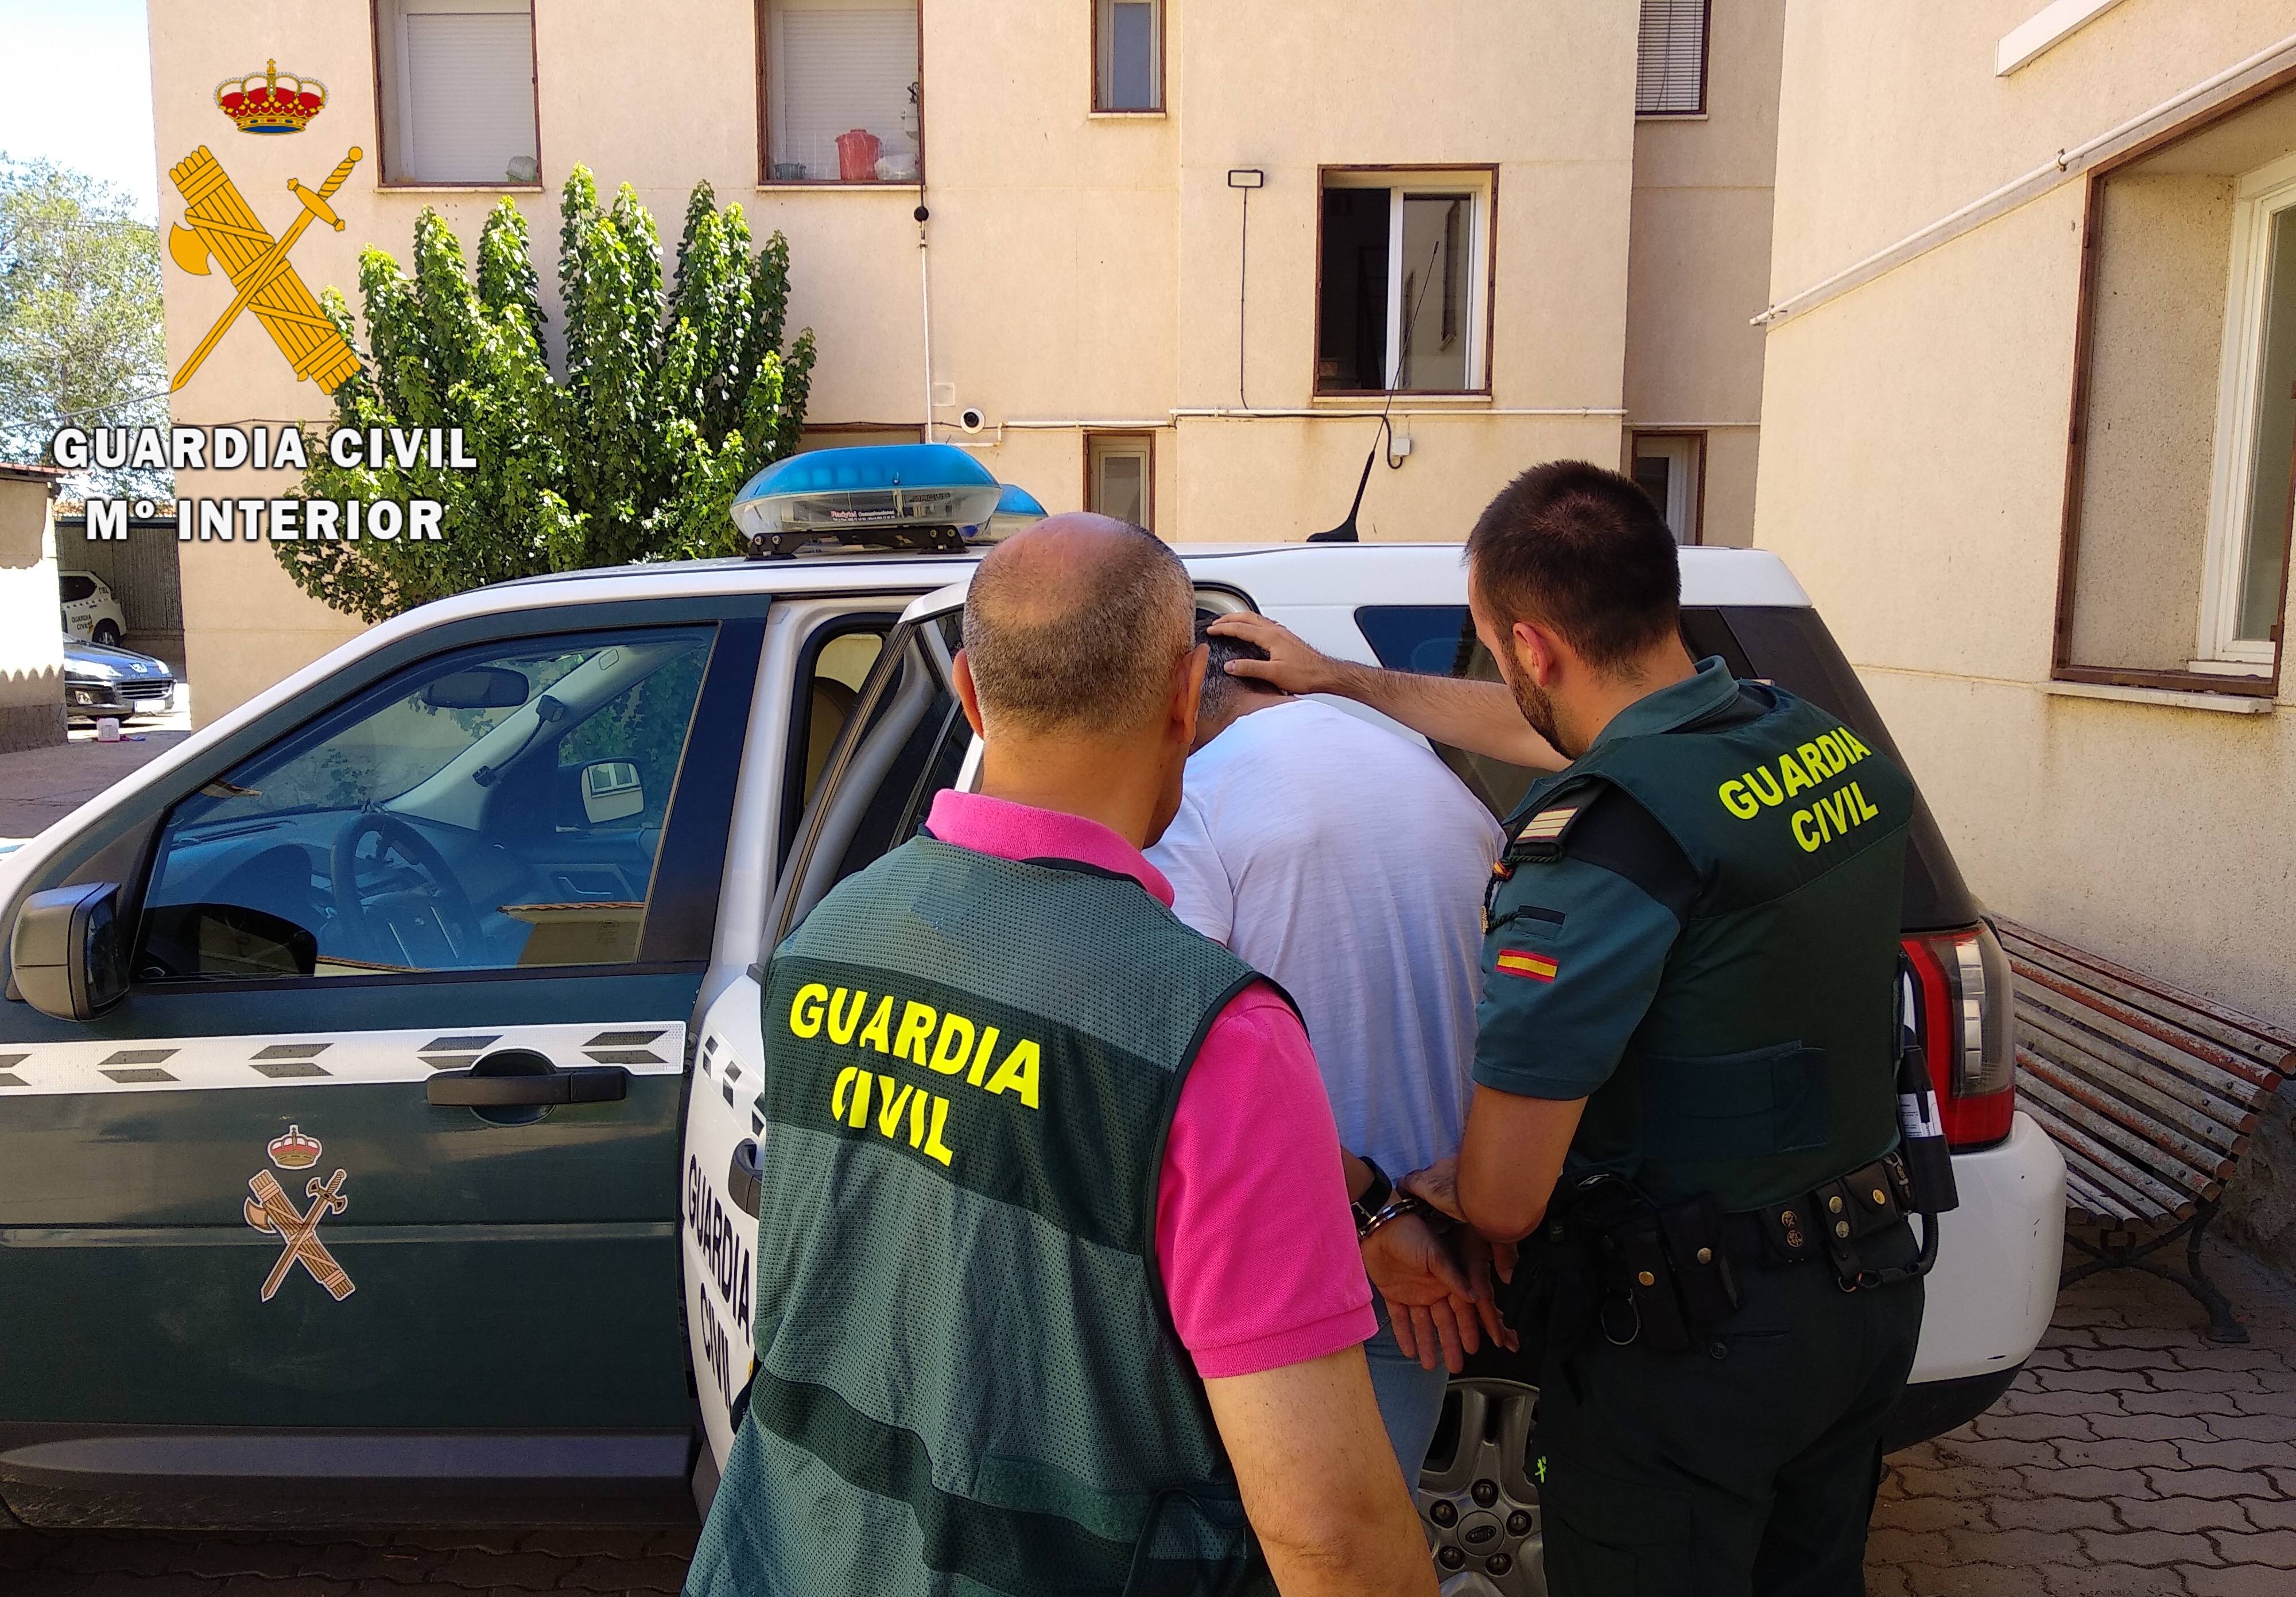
611,791
68,952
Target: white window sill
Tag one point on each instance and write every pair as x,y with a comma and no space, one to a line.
459,188
2230,668
1672,116
1125,116
1377,396
2225,704
909,187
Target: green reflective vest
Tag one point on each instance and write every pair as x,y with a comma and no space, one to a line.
1765,1062
967,1376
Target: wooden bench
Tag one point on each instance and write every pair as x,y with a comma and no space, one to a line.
2151,1094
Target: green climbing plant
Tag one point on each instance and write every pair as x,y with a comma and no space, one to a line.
661,406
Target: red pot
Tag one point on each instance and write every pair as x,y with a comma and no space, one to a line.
856,156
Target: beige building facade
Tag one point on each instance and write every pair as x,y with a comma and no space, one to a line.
2028,414
1180,258
31,633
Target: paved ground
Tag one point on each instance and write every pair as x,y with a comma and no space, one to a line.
39,786
2133,1457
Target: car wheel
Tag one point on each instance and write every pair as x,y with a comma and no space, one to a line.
1476,1499
107,634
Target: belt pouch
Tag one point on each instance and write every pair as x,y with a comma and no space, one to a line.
1649,1283
1702,1275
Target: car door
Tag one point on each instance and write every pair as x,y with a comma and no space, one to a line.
384,1135
850,794
77,591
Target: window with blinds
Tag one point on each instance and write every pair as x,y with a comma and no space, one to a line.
1670,66
841,91
457,79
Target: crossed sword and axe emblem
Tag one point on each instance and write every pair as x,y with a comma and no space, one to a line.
223,227
272,1211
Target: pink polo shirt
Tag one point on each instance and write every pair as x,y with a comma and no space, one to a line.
1253,1233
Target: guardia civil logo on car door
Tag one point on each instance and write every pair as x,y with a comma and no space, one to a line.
272,1211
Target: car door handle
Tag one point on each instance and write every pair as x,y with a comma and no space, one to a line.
744,1176
585,1083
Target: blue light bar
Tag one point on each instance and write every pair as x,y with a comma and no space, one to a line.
884,496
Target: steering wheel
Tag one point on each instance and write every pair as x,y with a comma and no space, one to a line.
395,836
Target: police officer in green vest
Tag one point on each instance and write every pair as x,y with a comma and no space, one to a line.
1058,1289
1686,1066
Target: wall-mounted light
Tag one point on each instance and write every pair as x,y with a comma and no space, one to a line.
1246,177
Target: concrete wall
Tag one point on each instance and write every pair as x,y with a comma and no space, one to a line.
1699,270
1914,456
31,625
1083,269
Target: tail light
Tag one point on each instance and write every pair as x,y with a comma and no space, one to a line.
1965,1002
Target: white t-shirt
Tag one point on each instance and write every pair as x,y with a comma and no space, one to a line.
1348,864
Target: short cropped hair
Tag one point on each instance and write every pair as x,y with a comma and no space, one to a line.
1220,688
1584,550
1091,649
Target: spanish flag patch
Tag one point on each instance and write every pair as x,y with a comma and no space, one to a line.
1522,961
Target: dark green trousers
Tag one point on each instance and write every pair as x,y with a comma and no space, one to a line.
1747,1466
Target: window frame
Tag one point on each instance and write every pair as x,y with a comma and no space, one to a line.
762,36
1482,260
2262,196
1100,61
1694,443
1096,443
382,113
1705,68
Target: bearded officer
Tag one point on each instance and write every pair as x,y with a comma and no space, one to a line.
1057,1282
1687,1060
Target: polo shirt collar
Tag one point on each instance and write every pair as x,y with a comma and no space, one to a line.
1004,829
1707,690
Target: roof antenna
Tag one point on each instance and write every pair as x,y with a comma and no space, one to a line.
1345,532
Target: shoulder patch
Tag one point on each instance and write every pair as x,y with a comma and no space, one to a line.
1543,836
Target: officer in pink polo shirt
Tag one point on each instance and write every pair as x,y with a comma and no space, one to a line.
1058,1285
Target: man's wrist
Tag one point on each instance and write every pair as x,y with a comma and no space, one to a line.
1376,1195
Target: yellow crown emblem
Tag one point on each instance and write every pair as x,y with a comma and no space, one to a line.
294,1151
271,101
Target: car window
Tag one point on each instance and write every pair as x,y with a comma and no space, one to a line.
1438,640
906,741
832,669
493,809
75,589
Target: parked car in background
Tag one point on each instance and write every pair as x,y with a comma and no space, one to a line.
102,681
91,609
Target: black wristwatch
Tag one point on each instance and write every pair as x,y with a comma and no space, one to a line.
1374,1198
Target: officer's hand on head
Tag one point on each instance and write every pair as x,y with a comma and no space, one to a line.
1430,1300
1291,666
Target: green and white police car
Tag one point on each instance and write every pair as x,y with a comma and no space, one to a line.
377,1075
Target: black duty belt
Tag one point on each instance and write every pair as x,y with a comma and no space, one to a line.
1828,1222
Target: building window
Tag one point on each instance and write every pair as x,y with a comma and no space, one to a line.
1670,61
457,81
1120,476
1401,297
1127,47
842,90
2250,503
1671,468
2179,503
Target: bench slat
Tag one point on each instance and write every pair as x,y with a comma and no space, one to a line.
2105,1066
2115,1194
2085,1199
2236,1078
2173,1071
2154,1136
2114,1150
2270,1045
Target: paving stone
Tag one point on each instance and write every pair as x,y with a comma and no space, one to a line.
264,1586
122,1583
2038,1400
2018,1547
2238,1580
2113,1358
2105,1380
2188,1514
2217,1355
125,1552
2044,1514
627,1575
276,1560
1886,1580
2204,1483
1956,1513
2145,1336
2009,1455
2234,1454
592,1541
456,1538
2109,1580
46,1583
2126,1452
2277,1548
484,1570
2077,1307
677,1542
2189,1402
2270,1513
2204,1380
2048,1428
354,1562
1891,1545
1960,1483
2161,1428
1972,1580
2252,1427
2272,1400
2107,1483
2149,1549
2071,1335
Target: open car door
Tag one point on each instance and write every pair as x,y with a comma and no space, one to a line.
904,739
